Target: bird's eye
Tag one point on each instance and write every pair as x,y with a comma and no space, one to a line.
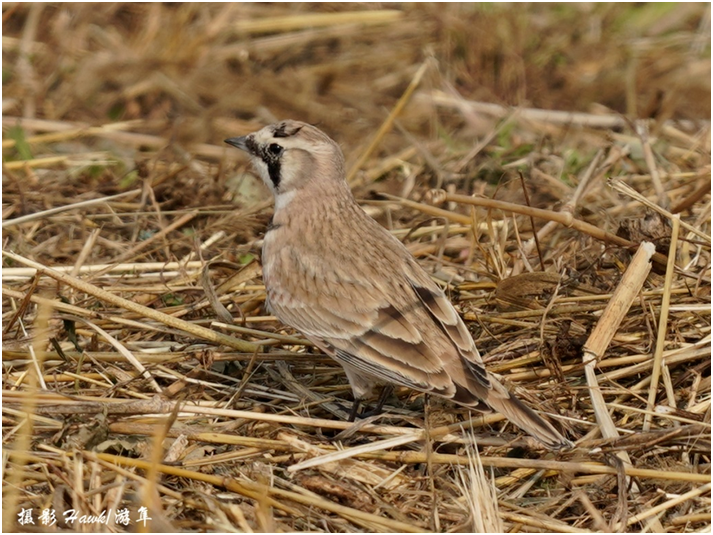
274,149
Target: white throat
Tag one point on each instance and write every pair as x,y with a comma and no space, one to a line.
283,199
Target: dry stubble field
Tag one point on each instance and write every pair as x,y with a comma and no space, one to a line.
140,368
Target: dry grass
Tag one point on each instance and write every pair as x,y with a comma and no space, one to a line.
140,367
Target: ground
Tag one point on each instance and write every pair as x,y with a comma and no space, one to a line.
143,374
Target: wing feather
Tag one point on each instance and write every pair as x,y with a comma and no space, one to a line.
456,331
412,337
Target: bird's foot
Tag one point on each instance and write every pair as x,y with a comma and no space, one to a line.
378,409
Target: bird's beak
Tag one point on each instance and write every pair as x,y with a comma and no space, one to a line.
238,142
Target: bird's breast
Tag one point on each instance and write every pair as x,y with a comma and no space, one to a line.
282,270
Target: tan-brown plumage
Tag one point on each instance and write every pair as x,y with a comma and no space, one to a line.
348,285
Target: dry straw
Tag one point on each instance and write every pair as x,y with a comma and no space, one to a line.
141,365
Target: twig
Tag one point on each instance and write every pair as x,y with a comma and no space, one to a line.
75,206
663,327
388,123
176,323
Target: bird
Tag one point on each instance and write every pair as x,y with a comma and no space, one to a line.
354,290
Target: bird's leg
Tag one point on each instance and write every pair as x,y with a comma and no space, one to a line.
385,393
355,410
362,387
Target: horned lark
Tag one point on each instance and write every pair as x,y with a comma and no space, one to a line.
349,286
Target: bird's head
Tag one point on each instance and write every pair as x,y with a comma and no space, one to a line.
290,156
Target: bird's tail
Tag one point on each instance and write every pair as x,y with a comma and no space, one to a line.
502,401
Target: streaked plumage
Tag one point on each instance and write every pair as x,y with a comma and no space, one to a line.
347,284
